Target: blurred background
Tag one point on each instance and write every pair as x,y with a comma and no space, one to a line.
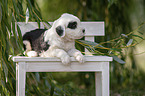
120,17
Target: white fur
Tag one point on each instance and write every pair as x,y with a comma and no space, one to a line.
64,46
31,53
28,45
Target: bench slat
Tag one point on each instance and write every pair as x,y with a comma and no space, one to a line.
57,67
42,59
91,28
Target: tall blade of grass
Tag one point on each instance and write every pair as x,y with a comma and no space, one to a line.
0,13
15,8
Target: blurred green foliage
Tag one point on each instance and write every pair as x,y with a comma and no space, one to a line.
123,19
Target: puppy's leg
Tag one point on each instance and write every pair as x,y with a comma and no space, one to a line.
27,45
59,53
28,51
77,54
31,53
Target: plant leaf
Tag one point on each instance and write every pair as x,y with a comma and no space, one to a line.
46,24
124,35
140,32
20,6
115,49
15,7
129,42
138,36
27,15
52,88
118,60
37,76
0,13
90,43
19,34
5,68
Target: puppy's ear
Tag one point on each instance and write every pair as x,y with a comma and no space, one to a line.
60,30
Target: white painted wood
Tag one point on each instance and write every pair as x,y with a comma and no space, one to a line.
94,28
102,80
97,64
49,59
17,79
21,79
89,38
57,67
41,64
105,79
98,82
91,28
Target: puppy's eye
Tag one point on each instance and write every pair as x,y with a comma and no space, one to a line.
72,25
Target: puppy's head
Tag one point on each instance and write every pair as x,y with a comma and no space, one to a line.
68,27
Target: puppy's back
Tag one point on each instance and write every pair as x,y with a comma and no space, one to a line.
36,40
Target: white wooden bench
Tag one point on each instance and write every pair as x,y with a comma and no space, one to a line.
97,64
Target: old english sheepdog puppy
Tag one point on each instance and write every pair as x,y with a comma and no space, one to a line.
58,41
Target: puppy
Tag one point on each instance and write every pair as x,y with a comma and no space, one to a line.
58,41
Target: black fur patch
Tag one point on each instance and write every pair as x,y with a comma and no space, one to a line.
72,25
35,37
24,46
59,31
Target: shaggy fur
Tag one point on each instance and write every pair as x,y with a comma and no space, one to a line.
58,41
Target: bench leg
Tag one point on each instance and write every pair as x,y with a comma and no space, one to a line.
20,79
98,81
102,81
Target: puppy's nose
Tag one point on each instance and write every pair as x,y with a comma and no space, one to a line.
83,30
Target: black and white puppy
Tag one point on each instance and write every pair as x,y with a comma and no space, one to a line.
58,41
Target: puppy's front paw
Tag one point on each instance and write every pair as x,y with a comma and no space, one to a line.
80,58
66,60
31,53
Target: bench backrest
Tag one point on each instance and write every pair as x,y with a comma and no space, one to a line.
91,28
